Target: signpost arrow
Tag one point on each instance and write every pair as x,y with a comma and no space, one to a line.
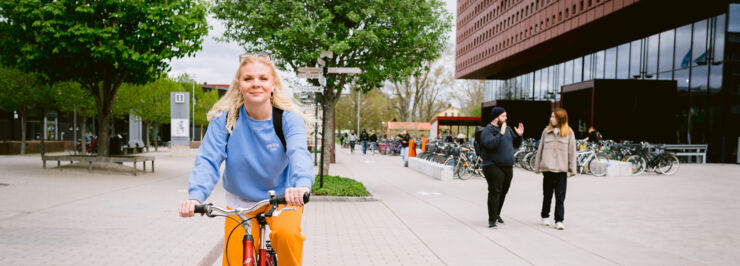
309,88
309,75
309,69
345,70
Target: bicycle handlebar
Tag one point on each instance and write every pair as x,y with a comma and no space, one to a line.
209,208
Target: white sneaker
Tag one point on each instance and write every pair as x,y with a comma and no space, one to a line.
545,221
560,226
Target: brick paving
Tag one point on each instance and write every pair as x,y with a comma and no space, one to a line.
110,217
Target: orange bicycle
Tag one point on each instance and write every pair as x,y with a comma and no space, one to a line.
265,255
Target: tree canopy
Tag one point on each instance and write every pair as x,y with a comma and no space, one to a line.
388,39
100,44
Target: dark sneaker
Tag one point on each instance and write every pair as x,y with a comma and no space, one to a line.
492,224
501,221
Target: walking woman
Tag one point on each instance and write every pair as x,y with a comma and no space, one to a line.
556,160
244,133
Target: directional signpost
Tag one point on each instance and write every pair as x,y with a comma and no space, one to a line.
320,74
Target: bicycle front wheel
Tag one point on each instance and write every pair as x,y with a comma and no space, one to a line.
667,164
597,165
638,164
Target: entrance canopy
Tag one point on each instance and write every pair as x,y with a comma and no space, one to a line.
448,124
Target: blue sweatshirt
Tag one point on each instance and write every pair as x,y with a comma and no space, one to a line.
255,159
498,149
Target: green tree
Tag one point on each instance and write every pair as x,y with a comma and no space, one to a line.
70,96
388,39
150,102
20,92
100,44
374,108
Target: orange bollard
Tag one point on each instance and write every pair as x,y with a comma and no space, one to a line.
412,150
423,143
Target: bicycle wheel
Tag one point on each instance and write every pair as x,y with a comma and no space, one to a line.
597,165
468,170
531,161
450,162
638,164
525,161
667,164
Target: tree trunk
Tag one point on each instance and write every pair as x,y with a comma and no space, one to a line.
327,141
156,135
43,130
146,129
103,121
83,128
23,131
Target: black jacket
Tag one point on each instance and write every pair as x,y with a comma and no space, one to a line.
373,138
404,140
496,148
363,136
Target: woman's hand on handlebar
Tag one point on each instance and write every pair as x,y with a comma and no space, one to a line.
294,195
187,208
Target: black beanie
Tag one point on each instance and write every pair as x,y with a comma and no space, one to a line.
497,111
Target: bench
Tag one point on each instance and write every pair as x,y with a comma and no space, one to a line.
688,150
106,159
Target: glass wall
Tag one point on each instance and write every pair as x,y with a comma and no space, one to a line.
690,54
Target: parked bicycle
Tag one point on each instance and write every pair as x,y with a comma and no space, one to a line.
260,253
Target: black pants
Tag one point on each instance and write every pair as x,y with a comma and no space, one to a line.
499,180
556,182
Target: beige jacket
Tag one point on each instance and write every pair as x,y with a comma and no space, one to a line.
556,154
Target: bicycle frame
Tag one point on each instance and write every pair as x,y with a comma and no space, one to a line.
265,255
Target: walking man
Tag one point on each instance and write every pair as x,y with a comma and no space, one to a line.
363,139
404,138
373,141
498,141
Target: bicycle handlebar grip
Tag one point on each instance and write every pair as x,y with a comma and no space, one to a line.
306,198
201,209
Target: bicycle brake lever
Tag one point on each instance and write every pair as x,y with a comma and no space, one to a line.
276,213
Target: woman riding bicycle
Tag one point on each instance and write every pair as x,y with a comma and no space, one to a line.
241,133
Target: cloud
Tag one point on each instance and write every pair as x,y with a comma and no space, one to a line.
216,63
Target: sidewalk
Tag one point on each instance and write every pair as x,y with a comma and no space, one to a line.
683,219
72,217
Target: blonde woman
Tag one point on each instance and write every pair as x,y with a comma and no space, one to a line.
241,134
556,160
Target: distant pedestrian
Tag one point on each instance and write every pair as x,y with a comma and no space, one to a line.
364,137
352,140
373,142
341,140
498,142
404,138
556,158
594,135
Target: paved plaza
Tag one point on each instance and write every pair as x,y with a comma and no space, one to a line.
110,217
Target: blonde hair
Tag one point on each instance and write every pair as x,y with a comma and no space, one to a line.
233,99
562,117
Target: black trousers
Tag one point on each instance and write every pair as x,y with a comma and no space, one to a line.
499,181
557,182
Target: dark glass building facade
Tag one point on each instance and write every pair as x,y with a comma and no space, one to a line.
698,51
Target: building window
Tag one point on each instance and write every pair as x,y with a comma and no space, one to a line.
652,55
560,16
623,61
610,63
581,5
665,60
635,58
566,12
699,49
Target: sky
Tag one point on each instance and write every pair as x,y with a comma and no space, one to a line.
216,63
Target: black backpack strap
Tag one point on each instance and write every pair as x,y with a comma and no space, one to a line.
277,124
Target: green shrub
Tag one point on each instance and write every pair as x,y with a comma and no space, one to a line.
339,186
